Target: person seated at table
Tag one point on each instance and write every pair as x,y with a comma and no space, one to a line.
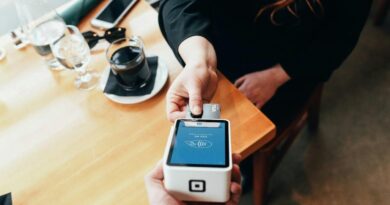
274,51
158,195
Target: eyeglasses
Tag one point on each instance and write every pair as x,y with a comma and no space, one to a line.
110,35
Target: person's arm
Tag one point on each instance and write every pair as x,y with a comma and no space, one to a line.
197,82
332,44
315,62
185,25
182,19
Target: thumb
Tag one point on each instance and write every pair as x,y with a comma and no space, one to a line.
195,100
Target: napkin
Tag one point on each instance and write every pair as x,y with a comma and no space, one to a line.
112,87
6,199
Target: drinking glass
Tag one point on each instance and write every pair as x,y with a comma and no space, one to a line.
42,26
72,51
128,63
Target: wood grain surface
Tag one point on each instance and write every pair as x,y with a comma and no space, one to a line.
60,145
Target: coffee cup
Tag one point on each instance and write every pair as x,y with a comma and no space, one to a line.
128,63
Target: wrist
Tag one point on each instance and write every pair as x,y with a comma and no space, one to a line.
198,52
196,63
280,75
200,65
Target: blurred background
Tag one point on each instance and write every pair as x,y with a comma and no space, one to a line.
348,160
7,9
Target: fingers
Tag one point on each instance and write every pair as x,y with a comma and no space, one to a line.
236,158
259,105
239,81
242,88
154,180
195,100
157,172
176,115
175,107
236,174
235,186
236,190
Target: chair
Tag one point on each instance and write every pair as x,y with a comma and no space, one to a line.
266,160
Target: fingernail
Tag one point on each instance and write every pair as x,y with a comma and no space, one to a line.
196,110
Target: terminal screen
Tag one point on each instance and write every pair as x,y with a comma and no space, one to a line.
200,143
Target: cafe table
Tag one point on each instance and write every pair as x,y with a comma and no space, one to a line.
61,145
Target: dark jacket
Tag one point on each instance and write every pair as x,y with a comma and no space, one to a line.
309,48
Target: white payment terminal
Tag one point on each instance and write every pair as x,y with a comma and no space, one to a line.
198,161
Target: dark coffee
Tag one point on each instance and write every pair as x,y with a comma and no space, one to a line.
130,67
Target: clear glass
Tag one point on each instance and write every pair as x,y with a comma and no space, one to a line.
72,51
128,63
42,26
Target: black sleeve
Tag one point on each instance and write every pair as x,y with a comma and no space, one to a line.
332,43
181,19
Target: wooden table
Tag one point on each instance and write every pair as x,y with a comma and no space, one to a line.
60,145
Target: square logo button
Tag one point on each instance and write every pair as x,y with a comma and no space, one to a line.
197,185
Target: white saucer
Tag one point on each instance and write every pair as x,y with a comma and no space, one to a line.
161,78
2,54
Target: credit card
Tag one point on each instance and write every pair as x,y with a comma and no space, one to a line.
210,111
